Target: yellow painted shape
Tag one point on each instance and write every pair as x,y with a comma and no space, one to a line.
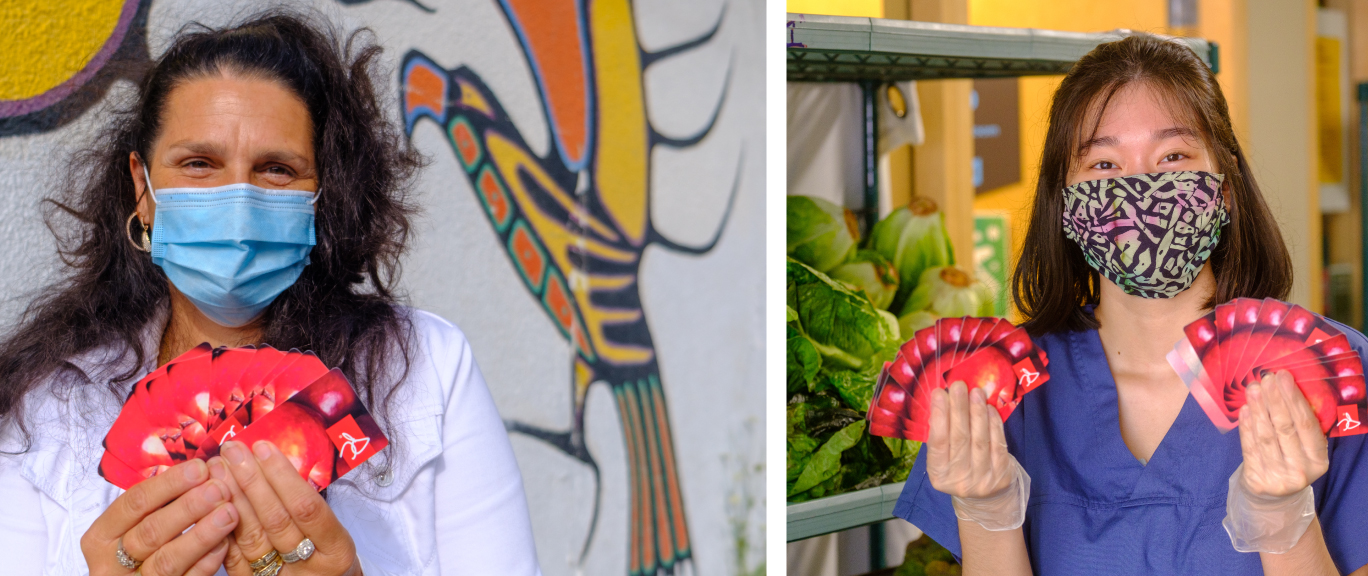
857,8
584,376
620,157
471,96
46,42
510,160
610,282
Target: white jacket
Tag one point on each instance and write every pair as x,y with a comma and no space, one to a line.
450,502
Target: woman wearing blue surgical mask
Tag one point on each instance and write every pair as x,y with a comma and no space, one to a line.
252,193
1146,216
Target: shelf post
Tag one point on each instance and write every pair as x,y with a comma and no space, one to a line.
870,127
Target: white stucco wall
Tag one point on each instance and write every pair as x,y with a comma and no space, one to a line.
705,312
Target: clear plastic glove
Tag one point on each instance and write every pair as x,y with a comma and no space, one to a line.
1273,524
1270,503
967,458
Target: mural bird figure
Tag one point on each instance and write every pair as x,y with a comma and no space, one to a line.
575,223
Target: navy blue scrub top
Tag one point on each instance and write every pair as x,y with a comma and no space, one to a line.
1095,509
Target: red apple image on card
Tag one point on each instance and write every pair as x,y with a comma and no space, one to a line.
989,354
1245,340
324,430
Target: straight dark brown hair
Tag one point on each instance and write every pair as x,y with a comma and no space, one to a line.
1052,280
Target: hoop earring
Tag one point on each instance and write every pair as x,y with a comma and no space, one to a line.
146,245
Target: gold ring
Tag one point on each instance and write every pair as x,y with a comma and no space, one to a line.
265,561
271,569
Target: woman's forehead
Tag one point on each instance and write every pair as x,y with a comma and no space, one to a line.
229,112
1136,110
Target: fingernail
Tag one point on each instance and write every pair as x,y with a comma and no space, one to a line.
216,468
195,471
212,493
223,518
233,451
262,450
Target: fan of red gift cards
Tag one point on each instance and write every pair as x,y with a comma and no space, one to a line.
206,396
1244,339
986,353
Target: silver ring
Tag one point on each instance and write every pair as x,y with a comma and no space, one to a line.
264,561
124,559
303,551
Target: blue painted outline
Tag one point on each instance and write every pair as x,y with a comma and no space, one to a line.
416,58
590,98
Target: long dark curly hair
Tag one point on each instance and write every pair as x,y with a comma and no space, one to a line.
343,307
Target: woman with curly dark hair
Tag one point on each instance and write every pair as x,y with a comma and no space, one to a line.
254,194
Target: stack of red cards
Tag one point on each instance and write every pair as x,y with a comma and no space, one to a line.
1244,339
987,353
206,396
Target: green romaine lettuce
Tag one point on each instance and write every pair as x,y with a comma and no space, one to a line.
913,238
826,461
820,234
843,325
871,272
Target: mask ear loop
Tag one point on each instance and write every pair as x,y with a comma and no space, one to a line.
146,245
317,194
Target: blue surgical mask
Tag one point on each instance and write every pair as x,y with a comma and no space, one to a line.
232,249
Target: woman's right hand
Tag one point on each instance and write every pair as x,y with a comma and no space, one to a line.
151,519
966,449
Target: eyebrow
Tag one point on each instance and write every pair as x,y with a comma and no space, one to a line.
204,148
211,149
1165,134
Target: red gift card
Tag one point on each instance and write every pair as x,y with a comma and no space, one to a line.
986,353
1349,421
184,409
306,429
353,445
1247,345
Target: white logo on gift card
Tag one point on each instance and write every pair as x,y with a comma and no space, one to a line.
1349,423
232,431
357,445
1028,377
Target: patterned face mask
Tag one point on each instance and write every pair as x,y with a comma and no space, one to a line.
1150,234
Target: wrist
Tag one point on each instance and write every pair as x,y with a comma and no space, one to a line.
1266,523
1003,510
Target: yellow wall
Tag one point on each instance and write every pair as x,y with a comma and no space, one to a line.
858,8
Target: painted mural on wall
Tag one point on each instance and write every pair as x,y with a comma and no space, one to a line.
575,223
64,57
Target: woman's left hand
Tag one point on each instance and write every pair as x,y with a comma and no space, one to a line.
279,509
1284,448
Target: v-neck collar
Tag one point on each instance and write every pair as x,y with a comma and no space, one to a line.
1190,444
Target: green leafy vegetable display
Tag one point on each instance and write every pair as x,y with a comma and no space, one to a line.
820,234
837,344
913,238
871,272
842,324
949,291
848,312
